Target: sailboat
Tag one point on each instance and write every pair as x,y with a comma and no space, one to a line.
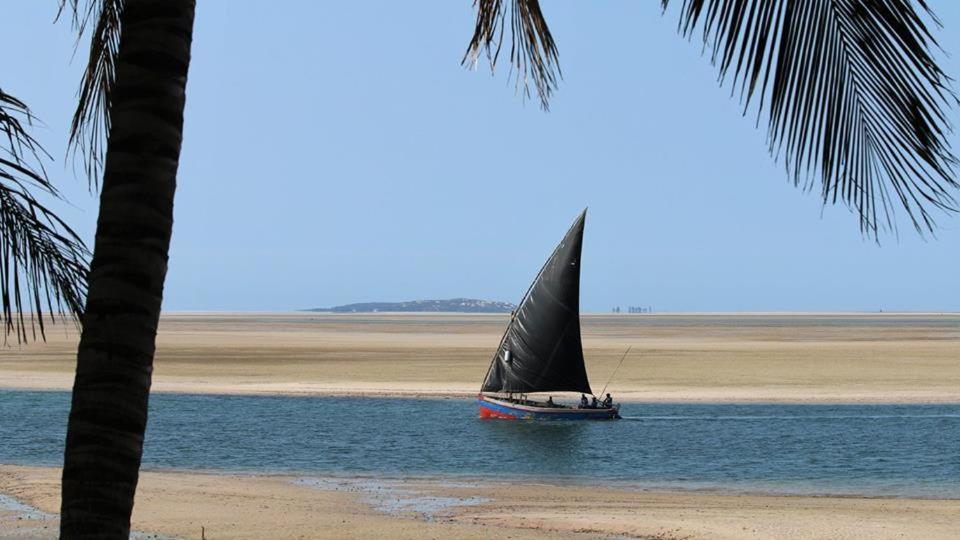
541,349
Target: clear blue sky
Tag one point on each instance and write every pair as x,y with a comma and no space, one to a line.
336,152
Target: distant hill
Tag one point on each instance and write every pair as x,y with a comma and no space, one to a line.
458,305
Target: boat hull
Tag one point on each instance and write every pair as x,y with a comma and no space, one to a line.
493,408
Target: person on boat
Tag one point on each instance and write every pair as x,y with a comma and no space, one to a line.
594,402
608,401
583,401
550,402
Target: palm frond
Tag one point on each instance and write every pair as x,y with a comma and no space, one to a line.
533,53
43,266
91,121
854,94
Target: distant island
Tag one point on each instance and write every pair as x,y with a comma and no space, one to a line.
457,305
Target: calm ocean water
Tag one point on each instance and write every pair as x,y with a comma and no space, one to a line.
876,450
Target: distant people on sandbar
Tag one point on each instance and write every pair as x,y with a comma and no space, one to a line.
608,401
583,401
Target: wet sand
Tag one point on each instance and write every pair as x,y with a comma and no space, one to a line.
178,504
883,358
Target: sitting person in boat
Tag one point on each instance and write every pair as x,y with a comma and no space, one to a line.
550,402
583,401
608,401
594,403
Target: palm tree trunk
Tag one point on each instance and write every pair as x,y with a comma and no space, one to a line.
108,415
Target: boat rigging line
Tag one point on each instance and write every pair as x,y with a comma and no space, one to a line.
622,358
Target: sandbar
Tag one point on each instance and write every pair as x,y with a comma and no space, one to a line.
762,357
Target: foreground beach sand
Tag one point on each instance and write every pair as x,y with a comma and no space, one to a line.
887,358
178,504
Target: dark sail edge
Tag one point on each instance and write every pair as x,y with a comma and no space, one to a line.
543,336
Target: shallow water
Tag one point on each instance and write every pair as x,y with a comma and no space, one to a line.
875,450
392,496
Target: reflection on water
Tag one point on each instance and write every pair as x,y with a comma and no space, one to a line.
896,450
555,443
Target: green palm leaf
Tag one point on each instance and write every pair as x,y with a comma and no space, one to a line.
533,53
853,96
91,121
42,260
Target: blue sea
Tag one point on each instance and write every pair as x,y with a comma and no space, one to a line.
871,450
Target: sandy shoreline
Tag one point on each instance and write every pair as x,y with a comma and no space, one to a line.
787,358
792,358
178,504
813,396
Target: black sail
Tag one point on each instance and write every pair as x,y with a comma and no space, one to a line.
541,349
